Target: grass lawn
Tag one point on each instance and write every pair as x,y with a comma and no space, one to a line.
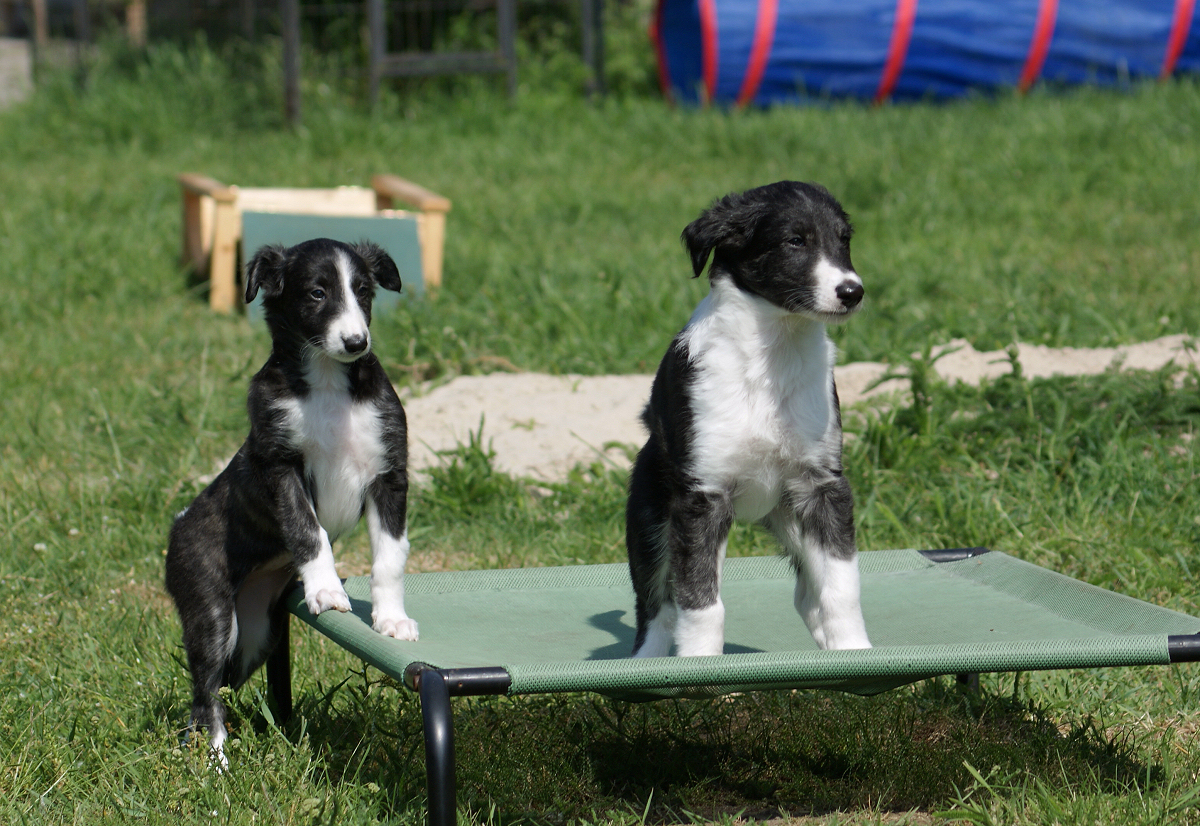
1062,218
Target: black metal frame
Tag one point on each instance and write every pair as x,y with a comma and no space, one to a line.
436,686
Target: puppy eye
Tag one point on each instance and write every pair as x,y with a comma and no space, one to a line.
318,294
796,241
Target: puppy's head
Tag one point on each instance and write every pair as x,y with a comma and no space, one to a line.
318,294
786,242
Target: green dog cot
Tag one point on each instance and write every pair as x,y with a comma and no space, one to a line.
570,629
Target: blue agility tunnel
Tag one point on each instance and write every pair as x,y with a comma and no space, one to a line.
785,51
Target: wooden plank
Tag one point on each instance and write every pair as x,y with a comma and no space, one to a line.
222,275
343,200
592,16
381,64
197,237
212,222
200,197
392,188
204,185
431,229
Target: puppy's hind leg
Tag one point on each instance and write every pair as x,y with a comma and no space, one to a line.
815,525
210,639
259,625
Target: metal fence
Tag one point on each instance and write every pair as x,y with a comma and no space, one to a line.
381,38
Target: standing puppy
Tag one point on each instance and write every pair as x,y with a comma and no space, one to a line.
327,444
744,424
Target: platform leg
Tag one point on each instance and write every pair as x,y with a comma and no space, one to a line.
279,669
439,748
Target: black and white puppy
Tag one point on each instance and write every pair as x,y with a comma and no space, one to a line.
327,444
744,424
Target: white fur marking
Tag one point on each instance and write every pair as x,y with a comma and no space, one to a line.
216,742
700,632
829,278
763,405
231,640
660,633
341,442
350,322
827,599
322,588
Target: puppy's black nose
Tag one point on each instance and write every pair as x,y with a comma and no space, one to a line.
849,293
354,344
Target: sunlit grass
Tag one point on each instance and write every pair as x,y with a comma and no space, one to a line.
1054,219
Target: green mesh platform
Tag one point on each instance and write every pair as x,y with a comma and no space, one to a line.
571,628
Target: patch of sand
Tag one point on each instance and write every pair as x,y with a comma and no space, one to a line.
541,426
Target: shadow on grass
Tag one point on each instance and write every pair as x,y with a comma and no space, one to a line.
550,759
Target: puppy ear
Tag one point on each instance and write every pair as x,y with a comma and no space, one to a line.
699,237
726,227
383,268
265,272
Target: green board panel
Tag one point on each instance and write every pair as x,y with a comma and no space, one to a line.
396,235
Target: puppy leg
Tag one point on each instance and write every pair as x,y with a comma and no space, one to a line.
312,552
197,577
659,633
815,525
827,598
389,550
258,626
649,560
323,589
699,530
210,636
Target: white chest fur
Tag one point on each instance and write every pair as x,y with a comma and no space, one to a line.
763,399
341,443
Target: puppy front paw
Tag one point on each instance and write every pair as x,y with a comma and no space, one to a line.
401,627
327,599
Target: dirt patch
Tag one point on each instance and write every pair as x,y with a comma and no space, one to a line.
541,426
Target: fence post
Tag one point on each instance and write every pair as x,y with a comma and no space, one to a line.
376,46
289,14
